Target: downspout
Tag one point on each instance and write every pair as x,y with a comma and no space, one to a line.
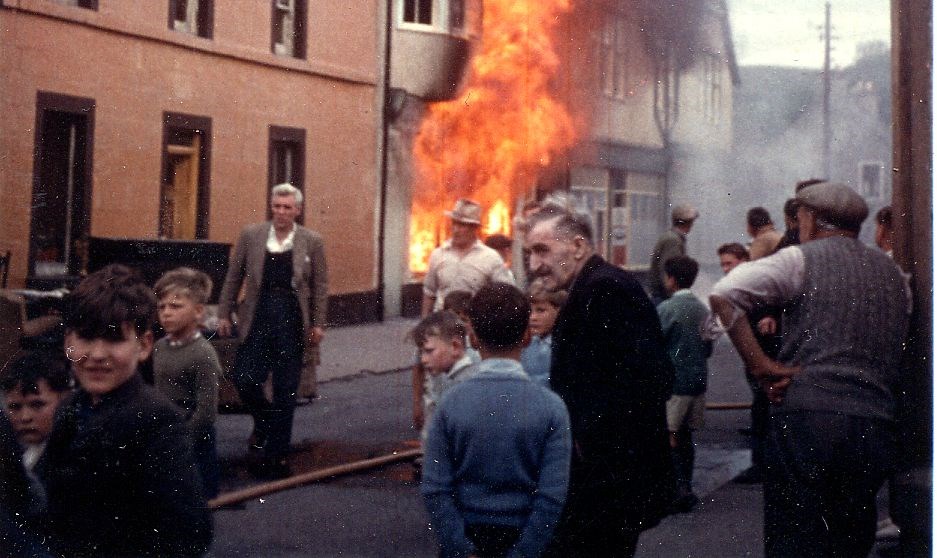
385,125
666,111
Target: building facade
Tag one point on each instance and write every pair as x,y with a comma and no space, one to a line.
172,119
659,91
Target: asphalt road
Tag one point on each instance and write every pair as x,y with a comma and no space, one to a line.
380,513
364,411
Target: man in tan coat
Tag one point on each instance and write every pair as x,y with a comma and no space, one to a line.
281,268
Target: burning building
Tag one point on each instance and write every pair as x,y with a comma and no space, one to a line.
620,104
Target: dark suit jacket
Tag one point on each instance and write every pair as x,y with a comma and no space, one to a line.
612,371
121,478
310,281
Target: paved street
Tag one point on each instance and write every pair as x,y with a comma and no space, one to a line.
364,411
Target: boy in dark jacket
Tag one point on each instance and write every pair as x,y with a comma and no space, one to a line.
118,468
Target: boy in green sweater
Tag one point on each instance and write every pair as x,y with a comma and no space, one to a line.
681,318
185,365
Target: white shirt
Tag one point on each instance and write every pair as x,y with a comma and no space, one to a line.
769,281
274,246
448,271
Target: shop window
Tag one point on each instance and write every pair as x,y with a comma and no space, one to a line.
191,16
288,35
184,196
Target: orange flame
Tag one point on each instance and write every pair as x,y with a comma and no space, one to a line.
491,143
499,218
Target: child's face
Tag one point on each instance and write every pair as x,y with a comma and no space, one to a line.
31,414
179,314
438,354
101,365
542,317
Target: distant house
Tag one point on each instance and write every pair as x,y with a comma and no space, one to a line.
173,119
779,134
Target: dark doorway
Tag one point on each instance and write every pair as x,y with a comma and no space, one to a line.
60,221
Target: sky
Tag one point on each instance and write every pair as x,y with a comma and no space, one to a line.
788,32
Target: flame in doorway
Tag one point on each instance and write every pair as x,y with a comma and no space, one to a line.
492,142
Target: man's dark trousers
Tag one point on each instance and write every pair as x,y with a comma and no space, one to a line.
274,345
823,472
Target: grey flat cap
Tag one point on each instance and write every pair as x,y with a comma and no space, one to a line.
684,212
836,203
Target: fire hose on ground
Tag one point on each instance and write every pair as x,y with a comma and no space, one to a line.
263,489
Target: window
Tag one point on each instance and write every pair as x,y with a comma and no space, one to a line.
183,193
61,198
418,11
286,158
588,193
191,16
870,179
288,35
462,18
712,86
624,209
87,4
613,56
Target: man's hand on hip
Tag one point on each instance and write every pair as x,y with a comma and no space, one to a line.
775,378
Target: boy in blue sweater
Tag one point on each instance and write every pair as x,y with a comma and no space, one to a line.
544,307
681,318
496,459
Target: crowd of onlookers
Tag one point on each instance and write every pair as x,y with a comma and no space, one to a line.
557,421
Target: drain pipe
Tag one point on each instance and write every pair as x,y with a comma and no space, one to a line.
385,125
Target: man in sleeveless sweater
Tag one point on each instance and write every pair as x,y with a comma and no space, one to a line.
281,266
831,434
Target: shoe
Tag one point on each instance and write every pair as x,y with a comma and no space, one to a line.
752,475
887,530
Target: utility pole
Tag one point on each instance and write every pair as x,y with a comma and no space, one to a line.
826,96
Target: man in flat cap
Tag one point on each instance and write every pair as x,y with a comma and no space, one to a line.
671,243
831,434
463,263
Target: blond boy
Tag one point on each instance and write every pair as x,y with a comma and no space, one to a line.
186,366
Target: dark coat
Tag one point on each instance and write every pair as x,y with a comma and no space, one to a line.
121,478
611,368
18,537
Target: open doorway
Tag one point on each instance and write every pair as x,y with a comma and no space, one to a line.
183,193
60,218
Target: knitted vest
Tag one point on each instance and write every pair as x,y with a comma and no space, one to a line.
846,330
